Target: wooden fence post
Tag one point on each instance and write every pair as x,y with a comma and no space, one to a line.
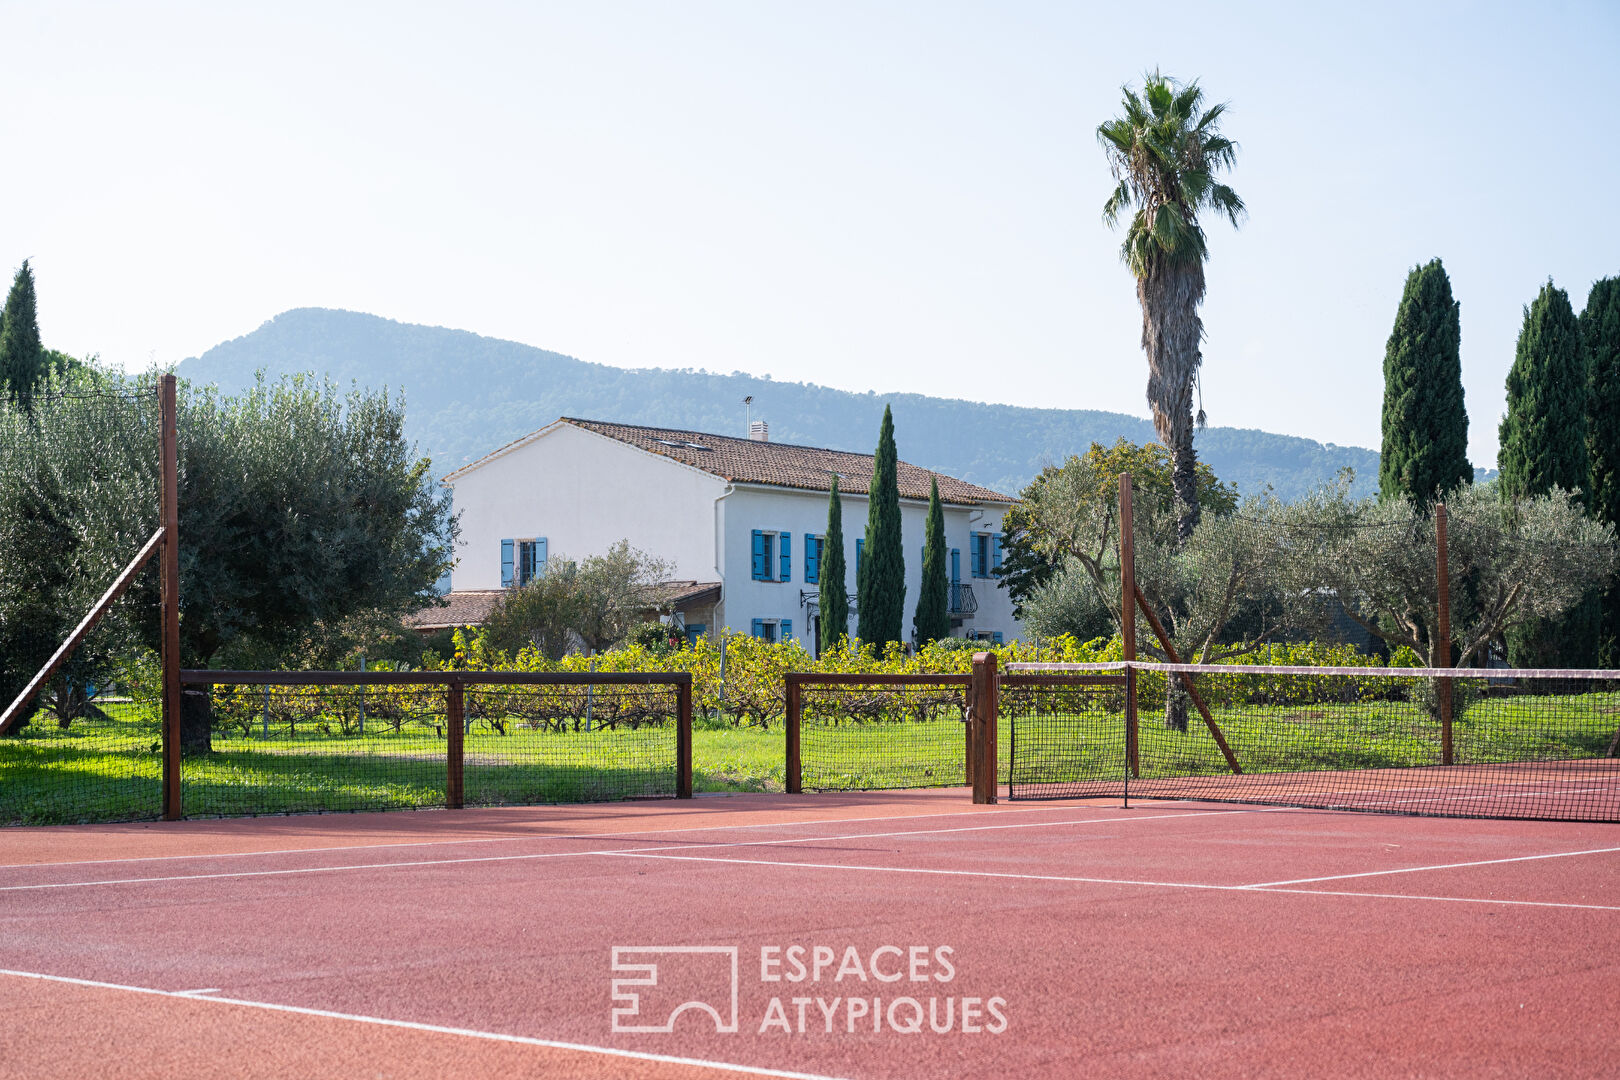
1127,616
795,708
169,507
982,728
683,738
455,719
1442,559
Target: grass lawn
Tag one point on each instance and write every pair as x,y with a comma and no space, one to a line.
109,771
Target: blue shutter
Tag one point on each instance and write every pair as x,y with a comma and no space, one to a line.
996,637
506,564
759,624
541,547
812,559
785,556
860,553
995,551
761,571
787,629
956,566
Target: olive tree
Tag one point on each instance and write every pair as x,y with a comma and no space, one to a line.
587,604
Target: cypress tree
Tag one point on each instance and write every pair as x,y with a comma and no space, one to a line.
1425,449
881,577
1544,446
1544,433
833,600
22,356
1600,336
933,618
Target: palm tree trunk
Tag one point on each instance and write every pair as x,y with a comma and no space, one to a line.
1171,334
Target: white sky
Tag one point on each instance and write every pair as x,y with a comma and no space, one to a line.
867,195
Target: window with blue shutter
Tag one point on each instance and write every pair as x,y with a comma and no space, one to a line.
979,555
860,553
506,563
762,563
786,557
787,629
759,628
995,551
812,559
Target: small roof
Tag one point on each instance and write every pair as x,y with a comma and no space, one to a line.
680,594
751,461
468,607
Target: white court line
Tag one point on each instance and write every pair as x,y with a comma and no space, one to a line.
553,836
1439,866
437,1029
37,886
1104,881
196,993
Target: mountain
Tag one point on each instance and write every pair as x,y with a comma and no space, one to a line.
466,395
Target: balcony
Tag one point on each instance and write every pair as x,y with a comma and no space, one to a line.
963,602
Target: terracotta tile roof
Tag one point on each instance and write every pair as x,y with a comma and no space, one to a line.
469,607
677,594
784,465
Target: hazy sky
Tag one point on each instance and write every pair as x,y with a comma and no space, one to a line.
872,196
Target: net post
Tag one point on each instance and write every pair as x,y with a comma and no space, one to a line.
795,711
982,728
169,506
683,738
1127,614
454,720
1442,561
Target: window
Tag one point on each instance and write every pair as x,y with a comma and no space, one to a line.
764,549
773,630
522,560
812,558
979,555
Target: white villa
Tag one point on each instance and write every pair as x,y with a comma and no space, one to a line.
742,520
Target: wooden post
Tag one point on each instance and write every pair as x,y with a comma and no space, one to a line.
454,721
169,505
683,738
1442,560
982,727
1127,616
795,710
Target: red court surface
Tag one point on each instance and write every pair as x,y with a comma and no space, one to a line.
1076,939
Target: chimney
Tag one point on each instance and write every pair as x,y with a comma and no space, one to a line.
759,431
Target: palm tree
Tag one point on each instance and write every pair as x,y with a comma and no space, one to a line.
1165,151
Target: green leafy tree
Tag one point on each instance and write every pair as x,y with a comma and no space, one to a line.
590,604
833,591
23,363
1425,448
1543,448
78,499
1600,335
1029,562
297,506
881,576
1165,151
932,620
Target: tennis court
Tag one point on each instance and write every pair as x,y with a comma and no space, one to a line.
1063,938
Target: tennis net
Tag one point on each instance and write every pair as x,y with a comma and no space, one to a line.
1509,743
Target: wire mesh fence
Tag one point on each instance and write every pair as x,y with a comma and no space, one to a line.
79,472
1516,744
571,743
862,733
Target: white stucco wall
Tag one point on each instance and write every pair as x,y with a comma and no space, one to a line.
584,492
